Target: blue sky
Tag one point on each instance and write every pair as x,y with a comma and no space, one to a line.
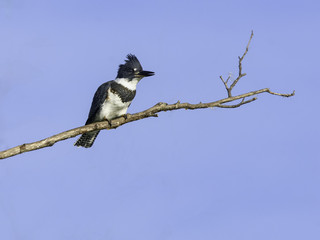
245,173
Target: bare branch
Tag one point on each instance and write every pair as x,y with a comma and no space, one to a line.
239,104
225,83
240,75
282,95
151,112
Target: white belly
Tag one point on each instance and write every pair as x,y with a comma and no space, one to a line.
113,107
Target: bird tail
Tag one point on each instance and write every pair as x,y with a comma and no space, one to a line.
87,139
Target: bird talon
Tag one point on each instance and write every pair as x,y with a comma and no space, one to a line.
109,121
125,116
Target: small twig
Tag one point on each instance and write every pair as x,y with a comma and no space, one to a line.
239,104
228,78
240,75
282,94
225,83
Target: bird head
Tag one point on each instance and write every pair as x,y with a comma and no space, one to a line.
132,69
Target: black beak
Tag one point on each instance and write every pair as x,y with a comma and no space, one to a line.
145,74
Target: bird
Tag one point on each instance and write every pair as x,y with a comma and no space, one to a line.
113,98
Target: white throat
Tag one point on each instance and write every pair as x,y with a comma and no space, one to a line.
131,85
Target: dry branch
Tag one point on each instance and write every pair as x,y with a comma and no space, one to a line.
151,112
240,74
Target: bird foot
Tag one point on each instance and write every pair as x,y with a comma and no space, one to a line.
125,116
109,121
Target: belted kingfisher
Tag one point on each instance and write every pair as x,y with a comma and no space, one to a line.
113,98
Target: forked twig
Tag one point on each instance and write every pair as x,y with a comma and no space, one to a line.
240,74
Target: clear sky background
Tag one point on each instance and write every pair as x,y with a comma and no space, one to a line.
245,173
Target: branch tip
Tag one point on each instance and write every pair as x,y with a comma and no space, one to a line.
282,94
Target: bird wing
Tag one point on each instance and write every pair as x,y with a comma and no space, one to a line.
98,99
